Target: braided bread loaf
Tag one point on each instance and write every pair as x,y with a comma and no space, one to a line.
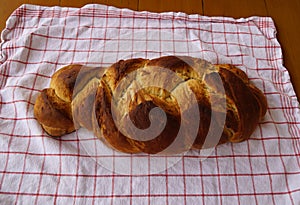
85,97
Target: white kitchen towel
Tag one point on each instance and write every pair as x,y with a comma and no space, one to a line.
38,169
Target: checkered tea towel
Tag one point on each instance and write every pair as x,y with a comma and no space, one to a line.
38,169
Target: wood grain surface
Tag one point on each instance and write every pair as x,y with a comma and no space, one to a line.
286,14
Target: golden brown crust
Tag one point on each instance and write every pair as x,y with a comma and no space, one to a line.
53,106
261,99
53,113
63,81
244,104
111,135
83,99
248,99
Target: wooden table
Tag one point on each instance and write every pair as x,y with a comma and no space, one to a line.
286,14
